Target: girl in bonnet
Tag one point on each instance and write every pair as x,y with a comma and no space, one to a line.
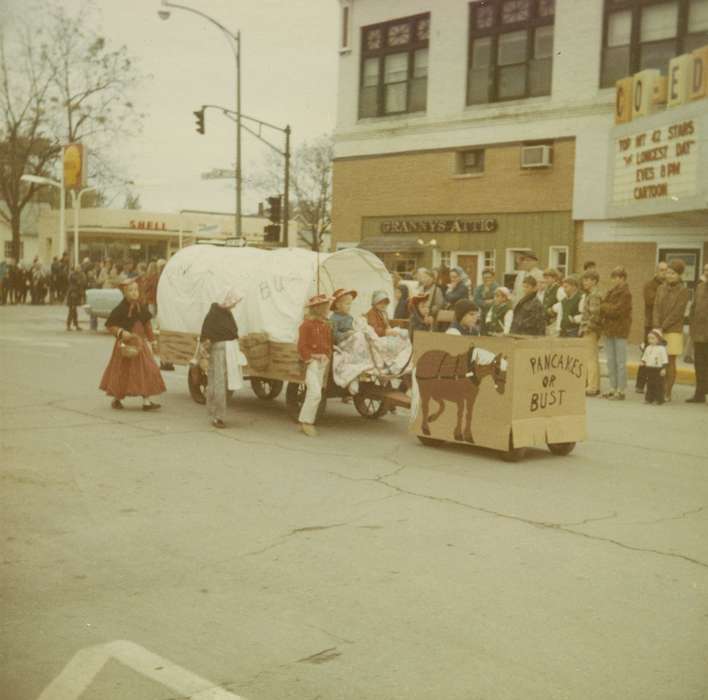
132,370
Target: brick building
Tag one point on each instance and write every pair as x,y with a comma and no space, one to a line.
467,131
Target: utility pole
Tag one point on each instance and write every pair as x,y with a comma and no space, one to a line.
286,189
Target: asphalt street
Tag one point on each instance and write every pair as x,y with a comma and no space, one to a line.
148,556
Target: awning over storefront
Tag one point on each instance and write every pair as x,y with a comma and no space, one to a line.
390,244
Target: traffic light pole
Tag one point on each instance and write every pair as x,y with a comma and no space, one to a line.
286,188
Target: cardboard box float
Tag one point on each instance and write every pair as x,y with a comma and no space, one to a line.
484,390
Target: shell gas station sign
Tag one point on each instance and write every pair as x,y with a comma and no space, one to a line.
656,166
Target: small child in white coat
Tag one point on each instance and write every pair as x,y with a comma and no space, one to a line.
655,361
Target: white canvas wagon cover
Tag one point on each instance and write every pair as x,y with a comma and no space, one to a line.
275,285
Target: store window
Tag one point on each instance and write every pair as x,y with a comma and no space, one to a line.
445,258
511,50
394,67
511,267
558,258
470,162
490,259
403,266
641,34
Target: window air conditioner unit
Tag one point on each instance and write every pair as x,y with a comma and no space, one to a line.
536,156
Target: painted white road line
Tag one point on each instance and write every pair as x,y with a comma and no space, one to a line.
87,663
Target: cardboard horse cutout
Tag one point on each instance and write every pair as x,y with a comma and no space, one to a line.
446,378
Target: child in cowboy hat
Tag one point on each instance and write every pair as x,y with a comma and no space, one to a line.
655,360
341,320
315,348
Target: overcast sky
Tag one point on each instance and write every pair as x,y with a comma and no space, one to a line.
289,63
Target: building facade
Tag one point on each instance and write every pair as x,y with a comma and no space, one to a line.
468,130
120,234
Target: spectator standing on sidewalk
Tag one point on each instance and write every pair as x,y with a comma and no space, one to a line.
553,293
655,361
669,312
484,294
571,312
529,318
698,320
74,297
616,311
527,262
649,293
591,329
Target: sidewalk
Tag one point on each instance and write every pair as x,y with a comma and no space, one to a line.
685,373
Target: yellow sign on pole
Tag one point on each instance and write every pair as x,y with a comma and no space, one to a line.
74,166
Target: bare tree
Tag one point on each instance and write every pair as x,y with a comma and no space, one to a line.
132,201
60,82
310,185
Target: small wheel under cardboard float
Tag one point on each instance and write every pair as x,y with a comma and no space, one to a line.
514,454
370,406
561,449
295,397
266,389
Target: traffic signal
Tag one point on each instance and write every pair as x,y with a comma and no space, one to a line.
274,211
199,114
272,233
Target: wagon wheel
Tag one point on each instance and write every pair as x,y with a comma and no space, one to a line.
561,448
266,389
431,442
197,382
369,406
295,397
514,454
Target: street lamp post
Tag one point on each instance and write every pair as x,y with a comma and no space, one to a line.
76,204
38,180
235,44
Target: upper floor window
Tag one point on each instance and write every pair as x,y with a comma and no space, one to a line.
511,50
641,34
394,67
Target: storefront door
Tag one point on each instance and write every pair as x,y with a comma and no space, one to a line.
469,262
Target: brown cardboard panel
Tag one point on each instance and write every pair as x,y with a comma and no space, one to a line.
480,390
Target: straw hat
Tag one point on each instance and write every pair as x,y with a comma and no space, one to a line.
339,293
317,300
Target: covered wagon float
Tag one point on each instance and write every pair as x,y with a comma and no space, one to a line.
505,393
275,285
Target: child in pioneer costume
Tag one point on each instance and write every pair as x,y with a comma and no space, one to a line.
571,311
500,314
341,320
315,348
377,315
132,370
654,361
466,319
218,336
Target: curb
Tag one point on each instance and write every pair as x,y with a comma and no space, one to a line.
684,375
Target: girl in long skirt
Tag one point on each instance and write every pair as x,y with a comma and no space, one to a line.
138,375
219,333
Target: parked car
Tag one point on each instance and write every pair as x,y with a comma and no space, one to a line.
100,303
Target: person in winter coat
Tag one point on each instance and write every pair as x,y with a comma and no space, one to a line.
466,319
436,300
420,313
457,289
669,311
500,315
527,262
529,318
402,295
616,312
484,293
552,295
591,329
649,294
698,319
219,331
74,297
571,312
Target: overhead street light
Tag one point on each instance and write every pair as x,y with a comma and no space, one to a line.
39,180
235,44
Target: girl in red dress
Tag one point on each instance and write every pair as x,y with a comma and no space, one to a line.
139,375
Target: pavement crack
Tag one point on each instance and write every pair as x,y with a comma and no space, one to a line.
559,527
680,516
321,657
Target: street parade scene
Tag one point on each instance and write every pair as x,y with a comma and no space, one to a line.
354,350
